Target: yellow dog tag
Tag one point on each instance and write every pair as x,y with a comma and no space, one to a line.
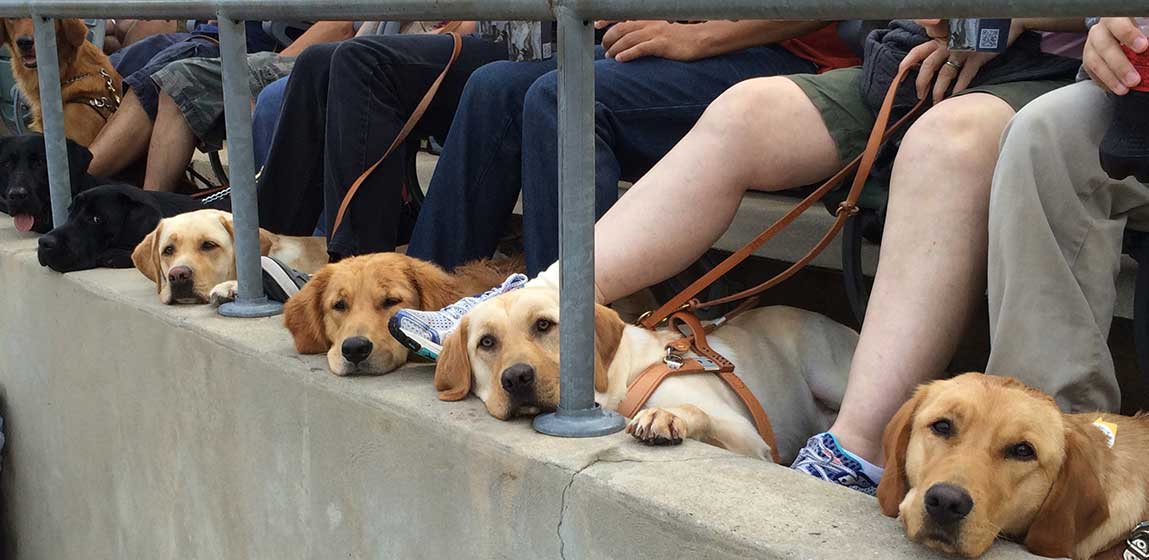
1107,428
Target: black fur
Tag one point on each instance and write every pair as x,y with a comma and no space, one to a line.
24,171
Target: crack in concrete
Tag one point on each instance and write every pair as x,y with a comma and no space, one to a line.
595,461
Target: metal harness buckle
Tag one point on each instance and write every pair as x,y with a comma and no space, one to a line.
673,360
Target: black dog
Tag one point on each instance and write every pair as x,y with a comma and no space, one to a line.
107,222
24,192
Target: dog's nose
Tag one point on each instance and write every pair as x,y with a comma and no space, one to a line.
25,43
180,275
49,243
518,377
17,194
356,349
947,504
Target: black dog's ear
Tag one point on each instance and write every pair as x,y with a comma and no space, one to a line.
139,219
79,158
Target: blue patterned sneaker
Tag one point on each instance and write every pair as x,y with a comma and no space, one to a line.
823,458
423,332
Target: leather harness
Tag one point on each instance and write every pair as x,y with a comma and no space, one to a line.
105,105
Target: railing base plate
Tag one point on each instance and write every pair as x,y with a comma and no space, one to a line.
592,422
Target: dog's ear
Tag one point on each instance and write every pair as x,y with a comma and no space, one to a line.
79,158
433,286
4,31
73,31
1076,504
453,370
303,315
894,484
146,257
608,327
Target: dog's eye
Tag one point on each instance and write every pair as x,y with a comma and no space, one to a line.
208,245
391,302
96,220
543,325
169,250
487,342
1021,452
943,428
340,305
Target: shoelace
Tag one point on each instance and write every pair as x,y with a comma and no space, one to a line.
459,308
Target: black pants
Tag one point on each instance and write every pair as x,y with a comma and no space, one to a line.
344,105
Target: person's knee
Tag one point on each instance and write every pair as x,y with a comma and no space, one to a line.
748,107
541,98
959,130
314,59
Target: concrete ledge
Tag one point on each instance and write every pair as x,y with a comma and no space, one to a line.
138,430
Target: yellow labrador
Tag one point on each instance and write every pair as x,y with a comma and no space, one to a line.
191,257
506,351
976,457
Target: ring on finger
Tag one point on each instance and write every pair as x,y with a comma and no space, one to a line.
956,65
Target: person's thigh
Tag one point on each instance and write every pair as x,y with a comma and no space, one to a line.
265,117
134,57
651,103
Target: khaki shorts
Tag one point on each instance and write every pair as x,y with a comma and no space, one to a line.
196,86
849,119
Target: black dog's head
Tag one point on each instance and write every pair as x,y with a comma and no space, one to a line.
24,192
104,225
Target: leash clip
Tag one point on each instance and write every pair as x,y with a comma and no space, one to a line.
850,209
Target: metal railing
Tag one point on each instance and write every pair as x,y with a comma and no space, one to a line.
577,414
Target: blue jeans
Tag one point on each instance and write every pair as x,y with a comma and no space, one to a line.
265,117
505,137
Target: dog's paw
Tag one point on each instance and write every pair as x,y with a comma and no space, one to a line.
224,293
656,426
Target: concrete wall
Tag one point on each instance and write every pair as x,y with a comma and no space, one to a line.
137,430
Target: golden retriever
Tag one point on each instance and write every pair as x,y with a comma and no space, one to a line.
191,257
506,352
344,309
81,81
976,457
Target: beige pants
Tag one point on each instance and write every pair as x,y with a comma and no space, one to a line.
1056,222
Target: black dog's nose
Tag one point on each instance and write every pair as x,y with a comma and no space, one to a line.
49,243
518,377
356,349
25,43
180,275
947,504
15,194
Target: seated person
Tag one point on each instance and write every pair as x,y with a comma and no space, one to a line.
121,33
654,82
1056,221
777,133
344,105
120,145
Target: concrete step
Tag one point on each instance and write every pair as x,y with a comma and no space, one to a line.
138,430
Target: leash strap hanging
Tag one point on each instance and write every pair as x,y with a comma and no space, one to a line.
408,127
863,164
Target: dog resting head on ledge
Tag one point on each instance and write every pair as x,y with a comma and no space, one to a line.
344,309
506,352
191,257
976,457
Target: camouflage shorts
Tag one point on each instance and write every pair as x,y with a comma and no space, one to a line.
196,86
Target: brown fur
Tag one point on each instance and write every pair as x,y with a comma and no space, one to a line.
373,288
1075,498
77,56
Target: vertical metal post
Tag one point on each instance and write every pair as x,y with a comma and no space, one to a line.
250,301
52,110
578,415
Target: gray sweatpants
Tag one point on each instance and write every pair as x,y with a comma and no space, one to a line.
1056,222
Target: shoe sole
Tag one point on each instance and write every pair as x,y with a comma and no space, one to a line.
275,277
420,346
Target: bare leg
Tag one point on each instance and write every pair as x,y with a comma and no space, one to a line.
123,140
762,134
932,269
172,147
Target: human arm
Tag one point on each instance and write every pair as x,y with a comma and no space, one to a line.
320,32
631,40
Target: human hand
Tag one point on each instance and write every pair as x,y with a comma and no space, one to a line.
1104,60
936,59
630,40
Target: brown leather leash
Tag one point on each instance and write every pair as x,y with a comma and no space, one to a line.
404,132
681,308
